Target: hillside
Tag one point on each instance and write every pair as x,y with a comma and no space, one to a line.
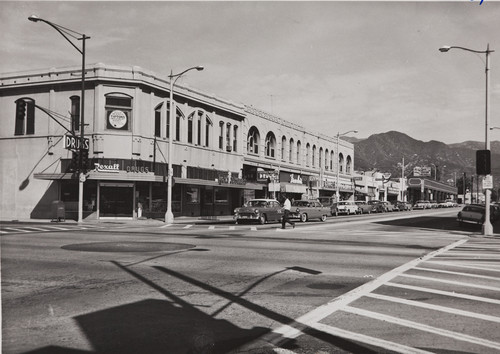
385,152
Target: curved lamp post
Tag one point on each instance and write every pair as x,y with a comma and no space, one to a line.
169,215
337,192
487,227
66,33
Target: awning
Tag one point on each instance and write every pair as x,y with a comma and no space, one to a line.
293,188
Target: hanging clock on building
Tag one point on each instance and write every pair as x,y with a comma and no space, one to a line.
117,120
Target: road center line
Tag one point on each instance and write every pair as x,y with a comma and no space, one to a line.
453,311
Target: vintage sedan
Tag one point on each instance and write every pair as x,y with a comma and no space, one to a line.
422,204
347,207
261,210
474,214
364,207
305,210
377,206
403,206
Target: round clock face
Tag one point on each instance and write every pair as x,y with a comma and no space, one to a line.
117,119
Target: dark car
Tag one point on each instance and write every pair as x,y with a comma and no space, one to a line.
377,206
331,203
364,207
261,210
403,206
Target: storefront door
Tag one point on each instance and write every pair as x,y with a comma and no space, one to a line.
116,200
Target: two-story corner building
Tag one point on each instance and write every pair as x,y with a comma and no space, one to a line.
219,148
294,159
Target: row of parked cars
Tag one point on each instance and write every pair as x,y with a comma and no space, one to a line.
264,210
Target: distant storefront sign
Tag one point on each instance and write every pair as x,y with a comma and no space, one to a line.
423,171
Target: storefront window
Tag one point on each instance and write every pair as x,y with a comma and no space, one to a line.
192,195
221,195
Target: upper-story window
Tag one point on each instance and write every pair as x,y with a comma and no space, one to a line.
308,151
320,163
208,125
253,141
178,121
228,137
158,121
327,156
290,152
118,112
221,135
348,164
235,138
25,117
199,127
341,162
75,113
283,148
314,156
270,144
190,132
332,158
299,152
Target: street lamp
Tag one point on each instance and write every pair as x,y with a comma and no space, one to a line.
337,193
169,215
487,227
66,32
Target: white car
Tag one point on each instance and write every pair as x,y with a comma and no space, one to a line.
347,207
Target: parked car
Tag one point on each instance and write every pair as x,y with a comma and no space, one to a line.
422,204
389,206
364,207
305,210
329,202
403,206
433,204
377,206
347,207
261,210
474,214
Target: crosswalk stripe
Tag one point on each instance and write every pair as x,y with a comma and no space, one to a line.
441,292
459,283
457,264
57,228
456,273
253,228
453,311
422,327
211,227
187,226
15,230
231,227
166,225
35,228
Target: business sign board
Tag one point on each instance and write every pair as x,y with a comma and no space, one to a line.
72,142
423,171
488,182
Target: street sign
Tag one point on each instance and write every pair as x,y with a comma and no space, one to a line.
488,182
72,142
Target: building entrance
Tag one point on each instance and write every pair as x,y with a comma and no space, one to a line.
116,200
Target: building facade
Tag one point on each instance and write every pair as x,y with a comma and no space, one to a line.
223,153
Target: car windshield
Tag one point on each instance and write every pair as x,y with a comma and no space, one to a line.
343,203
301,203
257,203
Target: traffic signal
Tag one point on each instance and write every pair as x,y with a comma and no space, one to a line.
21,110
483,162
85,160
75,161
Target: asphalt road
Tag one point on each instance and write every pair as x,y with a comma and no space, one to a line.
403,282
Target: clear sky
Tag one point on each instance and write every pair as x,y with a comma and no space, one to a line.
330,66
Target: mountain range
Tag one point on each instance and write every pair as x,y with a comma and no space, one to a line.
385,152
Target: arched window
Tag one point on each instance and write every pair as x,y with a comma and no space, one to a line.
299,152
320,163
327,156
290,153
179,115
314,156
270,144
253,141
190,132
341,162
228,137
158,121
208,126
308,151
283,148
332,158
348,165
235,138
199,126
221,135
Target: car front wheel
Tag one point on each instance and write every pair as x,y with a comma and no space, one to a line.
262,219
323,218
303,217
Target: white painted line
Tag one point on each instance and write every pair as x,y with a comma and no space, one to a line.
231,227
422,327
459,283
358,337
454,264
35,228
16,230
3,232
211,227
434,307
57,228
187,226
447,293
253,228
338,303
456,273
166,225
